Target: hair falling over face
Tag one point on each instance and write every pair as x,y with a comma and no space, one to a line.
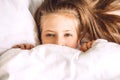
96,17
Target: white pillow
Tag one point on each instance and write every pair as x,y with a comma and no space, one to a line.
34,4
16,23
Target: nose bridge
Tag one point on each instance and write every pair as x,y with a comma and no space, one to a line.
60,40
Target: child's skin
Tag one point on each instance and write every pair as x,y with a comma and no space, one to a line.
61,29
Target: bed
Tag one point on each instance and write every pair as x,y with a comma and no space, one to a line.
49,62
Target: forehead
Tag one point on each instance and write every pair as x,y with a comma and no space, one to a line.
61,17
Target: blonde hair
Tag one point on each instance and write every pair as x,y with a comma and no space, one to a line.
56,6
103,23
93,15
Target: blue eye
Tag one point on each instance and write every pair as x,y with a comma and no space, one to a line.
50,35
68,34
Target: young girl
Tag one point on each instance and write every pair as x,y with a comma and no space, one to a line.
69,22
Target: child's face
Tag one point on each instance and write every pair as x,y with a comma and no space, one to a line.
60,29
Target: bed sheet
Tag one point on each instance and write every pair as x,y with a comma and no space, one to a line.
53,62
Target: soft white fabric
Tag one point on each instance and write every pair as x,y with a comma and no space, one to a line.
52,62
16,23
34,4
49,62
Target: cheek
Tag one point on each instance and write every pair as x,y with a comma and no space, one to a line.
46,40
42,39
72,43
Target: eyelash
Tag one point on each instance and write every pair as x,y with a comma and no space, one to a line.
50,35
53,35
68,34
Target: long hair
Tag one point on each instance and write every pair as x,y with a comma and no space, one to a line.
94,17
51,6
105,24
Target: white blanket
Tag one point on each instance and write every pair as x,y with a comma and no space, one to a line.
53,62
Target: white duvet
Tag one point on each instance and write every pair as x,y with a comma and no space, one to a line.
53,62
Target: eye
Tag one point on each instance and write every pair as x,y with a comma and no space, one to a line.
50,35
68,35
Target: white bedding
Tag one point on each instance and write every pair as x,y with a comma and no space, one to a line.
48,62
17,25
53,62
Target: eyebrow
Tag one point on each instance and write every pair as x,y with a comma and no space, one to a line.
48,31
53,31
67,30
